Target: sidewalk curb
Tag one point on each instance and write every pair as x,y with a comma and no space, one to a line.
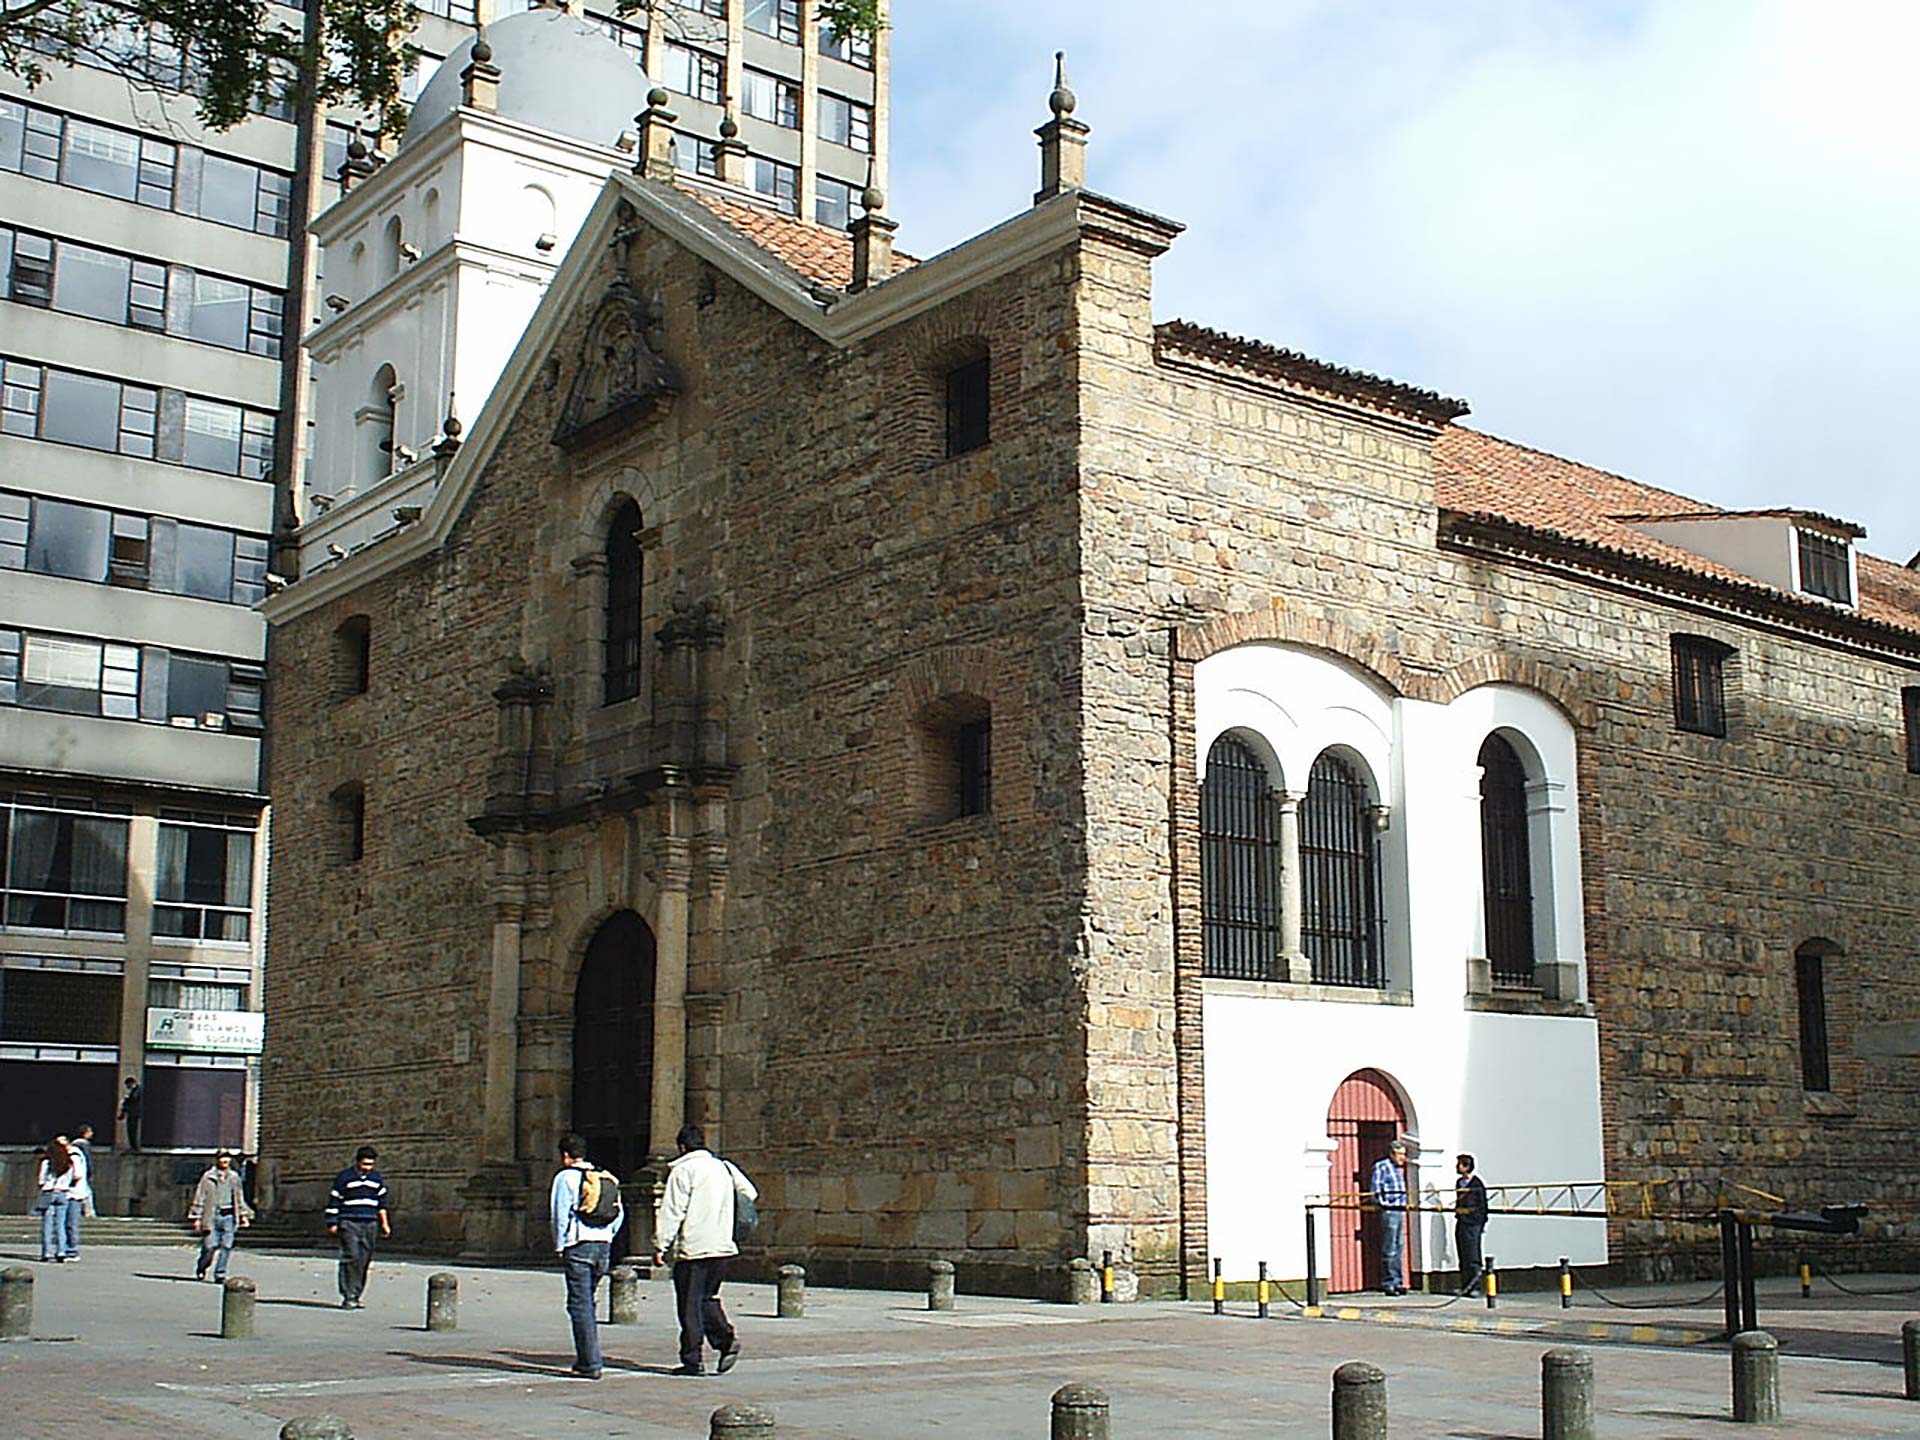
1602,1332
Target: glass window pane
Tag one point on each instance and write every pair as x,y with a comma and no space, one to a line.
69,540
91,282
213,436
217,312
60,675
203,562
102,160
196,687
81,410
13,125
229,191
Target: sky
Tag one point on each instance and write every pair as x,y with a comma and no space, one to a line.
1680,240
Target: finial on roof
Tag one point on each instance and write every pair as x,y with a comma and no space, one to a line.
655,138
1062,100
872,237
358,164
730,151
729,127
450,429
482,51
480,80
658,96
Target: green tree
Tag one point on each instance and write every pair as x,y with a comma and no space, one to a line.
236,56
851,17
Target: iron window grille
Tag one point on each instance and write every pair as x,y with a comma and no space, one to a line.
1810,984
623,605
1506,863
1240,860
1823,568
1341,923
969,406
1700,685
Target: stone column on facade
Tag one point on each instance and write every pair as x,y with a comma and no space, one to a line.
672,863
706,997
499,1106
1299,967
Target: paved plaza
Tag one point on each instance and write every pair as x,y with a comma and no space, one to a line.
127,1345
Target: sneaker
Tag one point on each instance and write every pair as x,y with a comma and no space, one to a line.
582,1373
346,1305
359,1304
729,1358
688,1370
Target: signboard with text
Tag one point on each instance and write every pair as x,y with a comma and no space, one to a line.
221,1032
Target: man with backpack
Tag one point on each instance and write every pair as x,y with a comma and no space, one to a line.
586,1211
708,1206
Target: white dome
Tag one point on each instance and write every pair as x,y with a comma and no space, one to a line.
557,72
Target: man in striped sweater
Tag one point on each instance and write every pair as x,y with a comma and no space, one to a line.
356,1215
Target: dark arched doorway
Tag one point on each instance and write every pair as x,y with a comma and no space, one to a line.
613,1044
1365,1118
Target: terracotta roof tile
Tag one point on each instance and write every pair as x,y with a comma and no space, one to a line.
819,254
1482,475
1304,370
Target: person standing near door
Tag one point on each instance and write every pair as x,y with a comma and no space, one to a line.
356,1214
1389,1187
1469,1220
130,1104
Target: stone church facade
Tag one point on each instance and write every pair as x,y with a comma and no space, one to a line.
793,708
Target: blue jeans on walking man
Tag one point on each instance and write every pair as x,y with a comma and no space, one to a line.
1393,1246
586,1263
53,1226
218,1241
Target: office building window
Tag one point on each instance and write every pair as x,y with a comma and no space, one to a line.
89,542
846,122
768,97
694,72
78,676
854,49
203,877
60,1000
72,409
779,183
833,202
65,863
778,18
694,155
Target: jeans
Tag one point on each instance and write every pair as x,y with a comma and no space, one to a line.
53,1226
1393,1245
75,1209
356,1254
585,1263
696,1288
218,1241
1467,1239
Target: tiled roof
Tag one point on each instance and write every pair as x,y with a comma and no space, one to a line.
1812,517
1481,476
817,253
1305,371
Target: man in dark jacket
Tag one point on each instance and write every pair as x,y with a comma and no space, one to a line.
130,1112
356,1215
1469,1219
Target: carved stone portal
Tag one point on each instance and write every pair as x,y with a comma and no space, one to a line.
623,376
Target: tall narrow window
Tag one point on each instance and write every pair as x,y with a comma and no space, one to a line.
353,656
623,605
1239,866
1824,570
1700,685
350,822
1506,863
1810,980
968,418
1340,877
1910,711
974,745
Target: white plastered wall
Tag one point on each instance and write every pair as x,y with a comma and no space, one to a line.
1521,1091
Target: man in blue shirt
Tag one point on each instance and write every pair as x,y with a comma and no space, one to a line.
1389,1187
356,1213
585,1249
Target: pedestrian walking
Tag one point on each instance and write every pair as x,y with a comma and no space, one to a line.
1469,1220
218,1213
357,1217
586,1211
55,1193
80,1198
130,1104
1389,1187
695,1223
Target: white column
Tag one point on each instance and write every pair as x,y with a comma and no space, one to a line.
1299,967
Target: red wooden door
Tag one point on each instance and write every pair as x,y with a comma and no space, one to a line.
1365,1118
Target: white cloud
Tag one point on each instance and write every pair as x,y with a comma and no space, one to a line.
1675,240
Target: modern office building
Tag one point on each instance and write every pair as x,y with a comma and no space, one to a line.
144,268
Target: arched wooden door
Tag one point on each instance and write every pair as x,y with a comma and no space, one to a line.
1365,1118
613,1044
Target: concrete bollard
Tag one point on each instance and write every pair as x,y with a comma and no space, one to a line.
1909,1355
740,1422
1359,1402
236,1308
443,1301
316,1427
1081,1412
16,1302
1083,1286
1566,1395
623,1296
940,1285
792,1292
1756,1378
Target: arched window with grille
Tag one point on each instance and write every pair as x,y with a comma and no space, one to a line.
1506,863
1340,877
1239,866
623,604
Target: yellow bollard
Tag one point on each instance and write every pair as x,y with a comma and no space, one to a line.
1493,1284
1219,1291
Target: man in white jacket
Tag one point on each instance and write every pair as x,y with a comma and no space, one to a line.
695,1222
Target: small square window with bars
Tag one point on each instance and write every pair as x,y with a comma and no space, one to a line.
1700,685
